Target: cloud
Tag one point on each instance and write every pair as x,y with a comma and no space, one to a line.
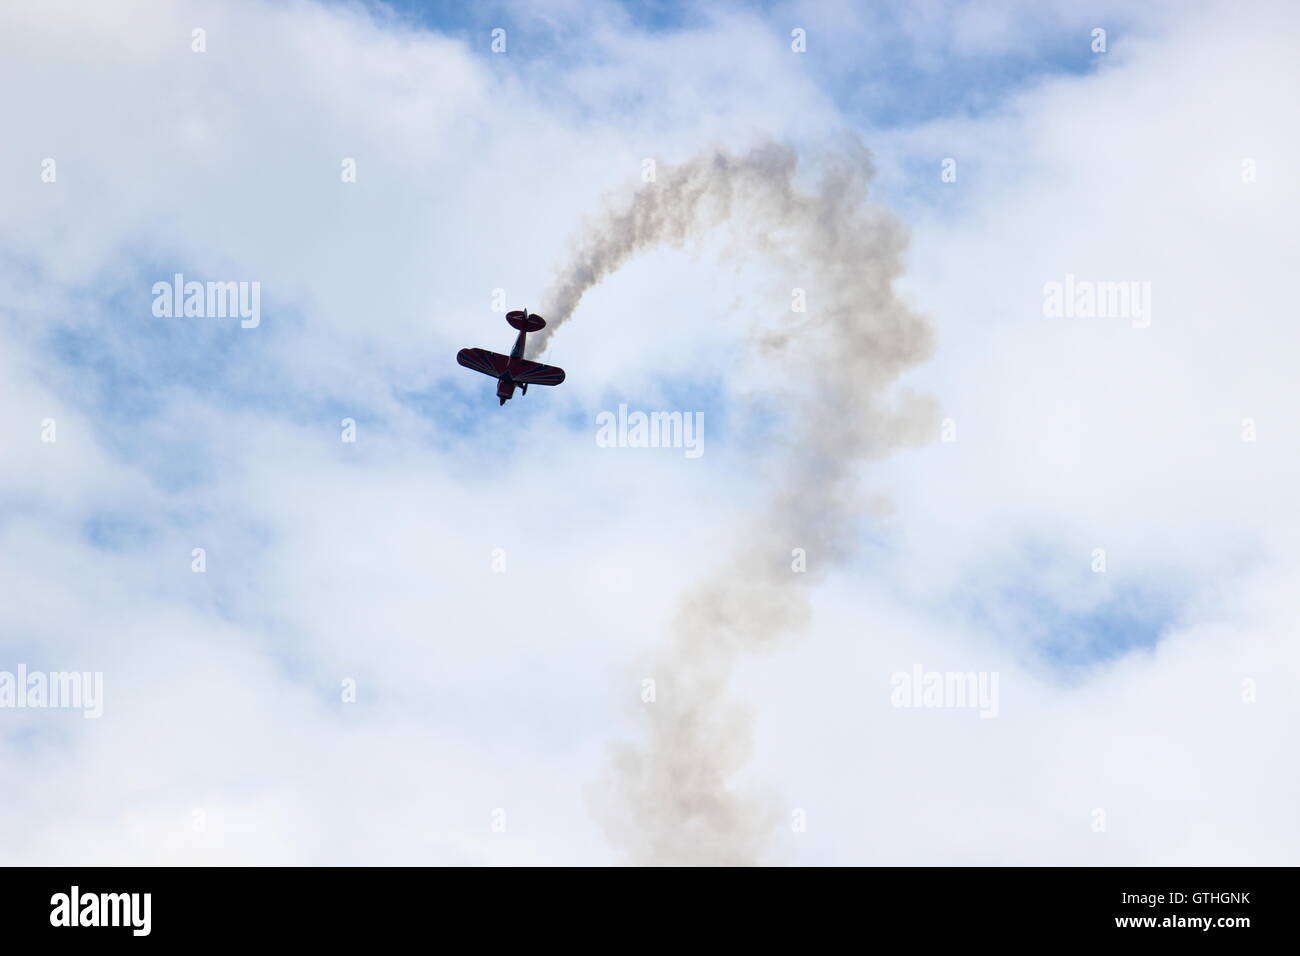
225,737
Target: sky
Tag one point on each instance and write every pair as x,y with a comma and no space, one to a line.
429,644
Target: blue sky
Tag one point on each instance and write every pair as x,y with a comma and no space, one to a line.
926,75
129,367
485,684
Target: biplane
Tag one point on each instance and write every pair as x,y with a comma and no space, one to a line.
513,370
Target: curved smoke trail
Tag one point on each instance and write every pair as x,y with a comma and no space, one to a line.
671,799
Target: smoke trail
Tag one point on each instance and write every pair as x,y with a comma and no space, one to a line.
672,799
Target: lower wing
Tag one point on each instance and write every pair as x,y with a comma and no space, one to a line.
535,373
481,360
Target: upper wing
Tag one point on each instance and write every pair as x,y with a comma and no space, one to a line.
535,373
481,360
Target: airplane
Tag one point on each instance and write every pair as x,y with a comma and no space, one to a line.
513,369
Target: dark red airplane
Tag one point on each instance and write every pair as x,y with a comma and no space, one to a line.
513,369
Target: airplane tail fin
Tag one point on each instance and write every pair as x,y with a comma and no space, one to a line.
525,321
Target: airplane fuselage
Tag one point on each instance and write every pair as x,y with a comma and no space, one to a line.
506,384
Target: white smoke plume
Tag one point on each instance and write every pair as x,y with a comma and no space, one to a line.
672,799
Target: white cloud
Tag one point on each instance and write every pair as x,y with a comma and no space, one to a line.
480,691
